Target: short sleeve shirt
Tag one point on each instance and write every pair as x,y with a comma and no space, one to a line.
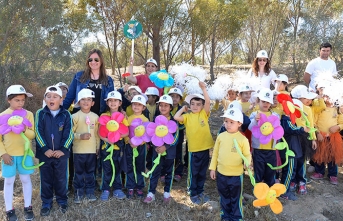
143,82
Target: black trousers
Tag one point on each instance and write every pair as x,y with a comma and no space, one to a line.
84,167
261,170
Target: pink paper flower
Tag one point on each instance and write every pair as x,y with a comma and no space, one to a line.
112,127
268,128
161,131
15,122
138,133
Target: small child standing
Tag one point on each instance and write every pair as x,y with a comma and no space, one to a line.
231,96
153,94
85,146
165,106
229,173
12,153
281,83
113,101
245,91
54,135
199,141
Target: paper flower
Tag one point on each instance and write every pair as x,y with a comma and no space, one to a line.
138,133
161,79
112,126
288,107
88,122
15,122
125,75
268,196
267,128
161,131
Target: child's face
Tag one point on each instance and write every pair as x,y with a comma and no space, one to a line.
275,102
264,105
231,126
176,99
64,91
196,106
232,95
53,101
280,86
164,108
17,102
137,108
113,104
245,96
131,93
305,101
151,99
86,104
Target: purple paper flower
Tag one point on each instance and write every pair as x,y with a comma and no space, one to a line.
161,131
268,128
15,122
138,133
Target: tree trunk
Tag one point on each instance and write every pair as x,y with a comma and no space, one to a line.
156,44
213,54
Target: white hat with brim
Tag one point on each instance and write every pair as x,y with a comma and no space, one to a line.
139,99
234,114
301,91
17,89
151,60
53,89
166,99
152,91
262,54
62,84
245,88
84,93
266,94
191,96
114,95
235,104
175,90
136,88
281,77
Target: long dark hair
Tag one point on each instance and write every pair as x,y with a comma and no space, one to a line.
87,73
255,68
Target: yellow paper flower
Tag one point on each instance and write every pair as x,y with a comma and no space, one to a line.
268,196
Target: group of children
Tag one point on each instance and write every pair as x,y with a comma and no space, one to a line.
56,130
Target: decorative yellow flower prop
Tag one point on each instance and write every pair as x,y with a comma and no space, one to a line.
268,196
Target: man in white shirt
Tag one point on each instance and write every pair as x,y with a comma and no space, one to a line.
321,67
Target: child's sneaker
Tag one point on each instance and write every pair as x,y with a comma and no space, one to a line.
45,211
195,200
91,197
119,194
166,198
292,187
302,188
289,196
105,195
333,180
77,199
11,216
204,198
63,208
149,198
177,178
28,213
129,194
140,194
317,176
163,179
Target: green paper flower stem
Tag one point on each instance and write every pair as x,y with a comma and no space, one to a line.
134,155
246,162
156,162
28,151
287,154
109,157
166,90
307,123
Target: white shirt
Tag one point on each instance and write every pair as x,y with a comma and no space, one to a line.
320,69
263,81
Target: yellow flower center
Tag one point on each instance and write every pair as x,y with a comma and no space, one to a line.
266,128
15,120
163,76
290,107
271,196
161,131
139,131
112,126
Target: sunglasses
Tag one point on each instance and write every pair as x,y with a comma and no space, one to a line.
95,59
263,59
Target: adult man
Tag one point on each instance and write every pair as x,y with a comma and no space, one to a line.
321,67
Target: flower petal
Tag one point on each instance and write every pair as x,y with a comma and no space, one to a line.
104,119
168,139
256,131
276,206
113,136
277,133
261,190
146,138
265,139
103,131
4,118
172,126
18,128
136,122
157,141
21,112
26,122
117,116
122,129
5,129
136,140
263,118
160,119
150,129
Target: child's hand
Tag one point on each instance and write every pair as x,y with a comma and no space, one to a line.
160,149
257,117
49,153
85,136
320,137
213,174
185,108
126,87
314,145
334,129
7,159
306,129
58,154
202,85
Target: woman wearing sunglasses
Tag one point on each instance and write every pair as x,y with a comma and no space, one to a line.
94,77
261,70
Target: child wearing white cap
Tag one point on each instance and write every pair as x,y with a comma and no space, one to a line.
86,146
281,82
199,141
263,153
230,97
153,95
12,153
229,176
245,91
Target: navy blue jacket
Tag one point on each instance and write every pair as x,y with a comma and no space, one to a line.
76,86
53,130
293,136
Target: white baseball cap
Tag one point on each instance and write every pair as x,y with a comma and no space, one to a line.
301,91
266,94
235,104
151,60
234,114
136,88
17,89
191,96
245,87
152,91
166,99
84,93
53,89
262,54
281,77
139,99
299,103
62,84
175,90
114,95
